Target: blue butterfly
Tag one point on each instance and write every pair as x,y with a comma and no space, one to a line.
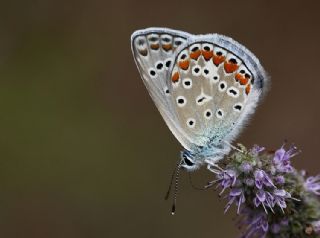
205,87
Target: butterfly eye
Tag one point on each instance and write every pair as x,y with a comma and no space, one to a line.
188,161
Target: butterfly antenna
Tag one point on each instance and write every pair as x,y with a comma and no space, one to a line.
171,181
173,209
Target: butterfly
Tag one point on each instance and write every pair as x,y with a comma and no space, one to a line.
204,86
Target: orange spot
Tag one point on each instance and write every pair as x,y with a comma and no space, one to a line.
207,54
143,52
167,47
248,88
195,55
154,46
218,59
175,77
241,79
184,64
230,67
248,78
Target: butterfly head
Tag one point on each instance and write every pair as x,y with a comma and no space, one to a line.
188,161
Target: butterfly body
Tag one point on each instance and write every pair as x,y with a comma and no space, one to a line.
205,87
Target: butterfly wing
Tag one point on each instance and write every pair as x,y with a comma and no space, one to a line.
216,84
154,51
208,91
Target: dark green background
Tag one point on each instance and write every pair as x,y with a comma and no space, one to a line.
84,152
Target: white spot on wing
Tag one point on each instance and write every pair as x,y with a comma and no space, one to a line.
219,51
215,78
207,114
196,70
202,99
219,113
222,86
206,72
181,101
152,73
187,83
233,92
159,66
237,107
191,123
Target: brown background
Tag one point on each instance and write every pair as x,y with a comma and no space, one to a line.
84,152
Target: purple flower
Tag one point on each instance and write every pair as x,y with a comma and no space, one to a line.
316,227
279,197
235,195
312,184
275,228
263,198
261,186
279,179
284,222
256,149
249,182
256,226
246,167
261,178
226,179
282,158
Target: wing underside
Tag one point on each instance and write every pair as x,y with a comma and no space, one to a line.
205,87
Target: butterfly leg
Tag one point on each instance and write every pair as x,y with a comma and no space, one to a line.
233,147
213,167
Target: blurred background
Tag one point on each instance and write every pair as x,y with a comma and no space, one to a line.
85,153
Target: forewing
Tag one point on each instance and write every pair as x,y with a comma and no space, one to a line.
154,51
